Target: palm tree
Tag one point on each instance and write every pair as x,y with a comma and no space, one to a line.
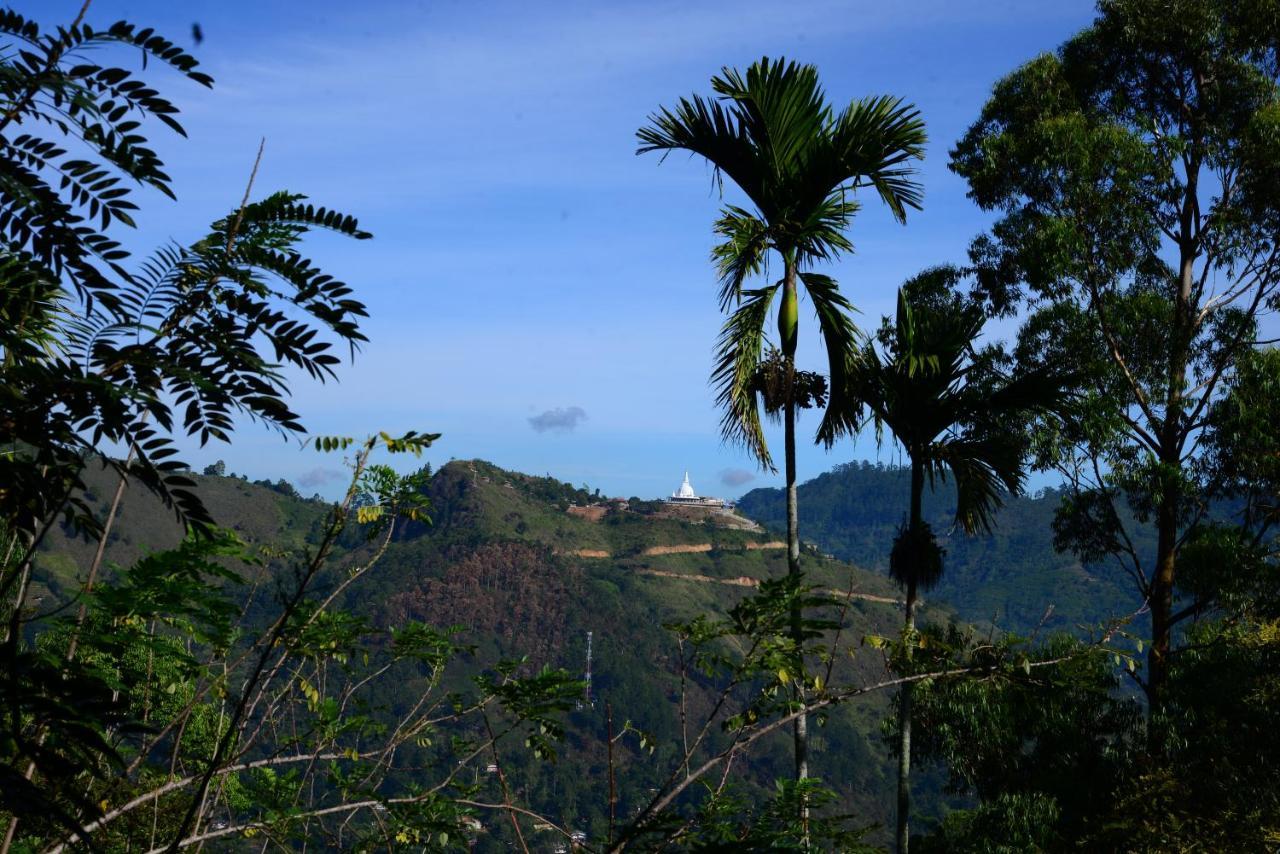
799,163
955,414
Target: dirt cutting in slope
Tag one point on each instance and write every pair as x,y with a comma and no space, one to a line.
744,581
687,548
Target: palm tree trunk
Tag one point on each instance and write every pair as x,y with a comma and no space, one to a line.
904,695
801,726
787,333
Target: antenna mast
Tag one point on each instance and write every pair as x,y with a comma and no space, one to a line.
587,679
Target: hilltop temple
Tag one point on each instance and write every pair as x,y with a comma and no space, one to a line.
687,497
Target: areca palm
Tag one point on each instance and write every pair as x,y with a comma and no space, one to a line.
799,163
956,416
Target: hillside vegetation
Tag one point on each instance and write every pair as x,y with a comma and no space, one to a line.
1011,577
513,561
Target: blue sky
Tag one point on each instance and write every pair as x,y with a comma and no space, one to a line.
539,294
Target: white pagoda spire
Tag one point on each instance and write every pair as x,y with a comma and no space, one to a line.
687,497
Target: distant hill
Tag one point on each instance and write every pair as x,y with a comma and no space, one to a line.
1010,576
259,513
527,566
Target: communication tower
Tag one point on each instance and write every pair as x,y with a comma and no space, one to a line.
586,696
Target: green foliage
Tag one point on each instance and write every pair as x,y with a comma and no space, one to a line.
63,706
202,684
1011,574
96,356
129,357
1219,791
800,163
730,822
1133,171
1006,824
505,600
768,653
235,690
1024,740
1245,419
181,589
953,409
1057,762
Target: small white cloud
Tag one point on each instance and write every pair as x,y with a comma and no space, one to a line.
558,420
736,477
319,476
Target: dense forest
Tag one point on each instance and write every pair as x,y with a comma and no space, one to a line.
470,658
1008,576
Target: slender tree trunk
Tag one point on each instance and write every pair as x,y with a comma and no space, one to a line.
787,333
98,555
801,727
1161,602
904,695
1172,437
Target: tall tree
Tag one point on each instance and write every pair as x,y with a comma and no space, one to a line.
1137,173
953,412
799,163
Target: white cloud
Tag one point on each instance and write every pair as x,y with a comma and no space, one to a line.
736,477
319,476
558,420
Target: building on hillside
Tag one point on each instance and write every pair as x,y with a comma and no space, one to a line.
685,496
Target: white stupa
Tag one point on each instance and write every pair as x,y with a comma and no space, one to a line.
686,495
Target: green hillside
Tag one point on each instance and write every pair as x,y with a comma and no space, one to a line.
1011,576
527,566
257,513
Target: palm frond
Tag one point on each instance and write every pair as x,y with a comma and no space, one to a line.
738,352
872,141
1036,392
915,351
841,336
934,337
985,467
710,130
820,235
744,251
782,109
772,132
949,410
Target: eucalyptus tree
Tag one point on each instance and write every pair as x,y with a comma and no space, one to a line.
799,163
955,415
1135,171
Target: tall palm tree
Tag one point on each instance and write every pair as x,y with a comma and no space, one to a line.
799,164
954,414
